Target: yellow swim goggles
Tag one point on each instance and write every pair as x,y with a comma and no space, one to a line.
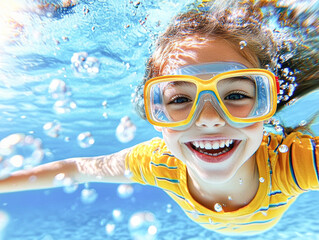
240,95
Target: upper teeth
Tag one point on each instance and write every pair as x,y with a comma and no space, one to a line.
212,144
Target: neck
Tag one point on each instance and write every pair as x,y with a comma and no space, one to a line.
233,194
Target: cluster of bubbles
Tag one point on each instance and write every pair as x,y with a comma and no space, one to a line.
168,208
19,151
125,131
85,140
62,94
287,83
276,124
218,207
125,191
104,104
82,63
110,227
68,184
143,226
52,129
88,195
283,148
242,44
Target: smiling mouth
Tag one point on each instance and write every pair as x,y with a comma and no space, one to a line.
213,151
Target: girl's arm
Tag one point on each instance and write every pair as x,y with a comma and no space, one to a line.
109,168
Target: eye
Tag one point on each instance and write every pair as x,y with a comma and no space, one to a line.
236,96
179,100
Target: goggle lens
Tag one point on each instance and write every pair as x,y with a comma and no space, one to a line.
243,97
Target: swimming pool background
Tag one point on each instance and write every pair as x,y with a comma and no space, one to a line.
114,33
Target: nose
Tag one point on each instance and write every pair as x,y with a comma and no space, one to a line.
209,117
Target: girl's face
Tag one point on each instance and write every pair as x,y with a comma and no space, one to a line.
232,147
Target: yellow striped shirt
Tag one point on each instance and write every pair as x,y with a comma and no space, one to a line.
286,174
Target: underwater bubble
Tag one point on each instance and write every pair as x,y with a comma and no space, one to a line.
286,98
242,44
218,207
19,151
52,129
110,229
168,208
283,148
261,179
85,140
125,131
83,63
291,102
276,122
69,186
88,195
279,128
143,226
103,221
128,173
230,198
285,71
58,89
117,215
125,191
136,4
105,115
303,123
92,65
284,86
64,106
58,180
104,104
78,59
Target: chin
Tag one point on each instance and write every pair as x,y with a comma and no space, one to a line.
216,176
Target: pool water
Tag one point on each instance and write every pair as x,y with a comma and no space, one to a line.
66,79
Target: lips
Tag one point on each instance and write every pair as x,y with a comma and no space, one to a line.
213,151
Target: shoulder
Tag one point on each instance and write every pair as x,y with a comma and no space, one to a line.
279,143
152,163
148,148
294,161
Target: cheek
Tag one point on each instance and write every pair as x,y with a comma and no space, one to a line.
170,136
170,131
171,139
255,133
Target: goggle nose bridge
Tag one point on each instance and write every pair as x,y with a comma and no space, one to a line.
208,96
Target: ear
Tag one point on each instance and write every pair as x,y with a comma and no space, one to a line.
157,128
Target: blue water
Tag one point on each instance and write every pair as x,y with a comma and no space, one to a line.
114,33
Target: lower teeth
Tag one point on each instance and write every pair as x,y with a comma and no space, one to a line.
226,149
214,154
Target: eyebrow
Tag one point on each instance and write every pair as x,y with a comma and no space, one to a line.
177,83
239,79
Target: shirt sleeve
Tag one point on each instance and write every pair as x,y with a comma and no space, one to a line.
296,168
138,161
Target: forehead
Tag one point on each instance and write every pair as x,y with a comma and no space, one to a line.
198,50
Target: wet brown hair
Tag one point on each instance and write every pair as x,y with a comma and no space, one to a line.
245,27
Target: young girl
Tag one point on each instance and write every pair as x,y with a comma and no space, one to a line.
208,91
